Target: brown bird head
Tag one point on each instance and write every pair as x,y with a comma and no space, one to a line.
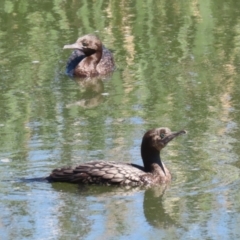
160,137
153,142
89,44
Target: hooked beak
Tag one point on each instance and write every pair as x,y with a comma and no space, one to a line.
72,46
171,136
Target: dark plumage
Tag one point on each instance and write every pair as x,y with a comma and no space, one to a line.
90,58
99,172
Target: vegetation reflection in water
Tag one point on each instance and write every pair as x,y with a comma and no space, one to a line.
177,66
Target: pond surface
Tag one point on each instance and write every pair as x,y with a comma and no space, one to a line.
177,66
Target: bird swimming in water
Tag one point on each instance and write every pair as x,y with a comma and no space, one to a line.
153,172
90,58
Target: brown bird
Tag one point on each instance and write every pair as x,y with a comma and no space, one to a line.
153,172
90,58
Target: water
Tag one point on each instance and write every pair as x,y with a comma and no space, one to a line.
177,66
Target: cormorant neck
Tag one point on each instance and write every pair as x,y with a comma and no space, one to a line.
73,61
96,57
90,63
151,155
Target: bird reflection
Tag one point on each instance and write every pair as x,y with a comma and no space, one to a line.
153,205
154,210
92,90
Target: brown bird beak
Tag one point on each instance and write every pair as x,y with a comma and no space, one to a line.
171,136
72,46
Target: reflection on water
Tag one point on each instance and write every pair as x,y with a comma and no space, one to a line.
154,210
92,93
112,205
177,66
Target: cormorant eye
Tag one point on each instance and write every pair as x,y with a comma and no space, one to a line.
84,44
162,135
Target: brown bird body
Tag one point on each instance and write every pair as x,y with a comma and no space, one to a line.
112,173
90,58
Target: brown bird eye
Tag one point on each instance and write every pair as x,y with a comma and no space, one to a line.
84,44
162,135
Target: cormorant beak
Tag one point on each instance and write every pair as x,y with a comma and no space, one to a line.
171,136
72,46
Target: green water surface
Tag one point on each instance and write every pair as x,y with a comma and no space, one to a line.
177,66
